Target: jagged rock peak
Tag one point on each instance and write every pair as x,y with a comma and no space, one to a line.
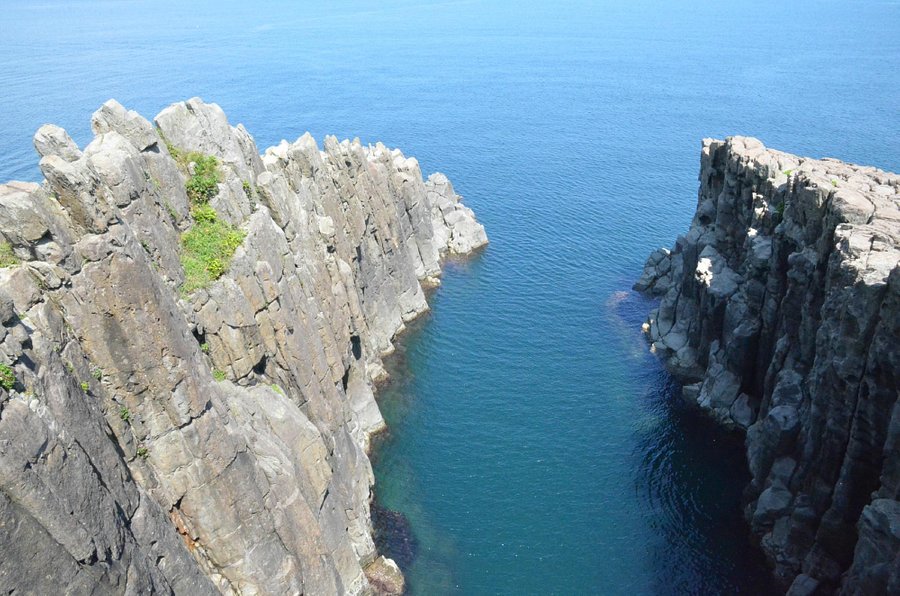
780,311
190,336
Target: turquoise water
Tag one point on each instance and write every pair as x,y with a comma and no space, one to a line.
535,446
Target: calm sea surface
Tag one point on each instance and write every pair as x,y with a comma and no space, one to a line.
535,446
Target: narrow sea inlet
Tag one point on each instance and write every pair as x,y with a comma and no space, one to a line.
588,472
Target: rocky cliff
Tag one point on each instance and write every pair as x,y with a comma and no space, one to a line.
191,332
780,312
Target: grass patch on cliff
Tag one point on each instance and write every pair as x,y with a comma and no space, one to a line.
203,178
209,244
207,248
7,377
204,182
7,256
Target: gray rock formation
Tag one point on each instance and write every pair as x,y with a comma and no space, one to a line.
155,441
780,312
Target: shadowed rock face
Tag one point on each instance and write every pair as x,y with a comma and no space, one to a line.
780,312
125,467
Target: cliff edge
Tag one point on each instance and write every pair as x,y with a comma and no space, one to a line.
780,312
191,332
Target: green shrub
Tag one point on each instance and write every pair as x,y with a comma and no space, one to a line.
204,214
7,257
97,373
200,189
7,377
206,249
788,173
834,183
85,386
219,375
204,347
248,190
142,452
203,184
125,414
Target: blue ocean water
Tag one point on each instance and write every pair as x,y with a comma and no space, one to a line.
535,446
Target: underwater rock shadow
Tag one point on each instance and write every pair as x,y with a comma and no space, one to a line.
394,537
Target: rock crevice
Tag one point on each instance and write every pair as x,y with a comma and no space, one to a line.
157,441
780,312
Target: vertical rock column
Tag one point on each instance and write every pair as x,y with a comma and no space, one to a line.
780,312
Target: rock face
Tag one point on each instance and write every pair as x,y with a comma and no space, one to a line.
780,312
159,442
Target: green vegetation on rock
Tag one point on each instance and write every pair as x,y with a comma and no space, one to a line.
7,377
207,248
204,182
203,178
219,375
7,257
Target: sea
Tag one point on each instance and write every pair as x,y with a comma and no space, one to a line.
535,446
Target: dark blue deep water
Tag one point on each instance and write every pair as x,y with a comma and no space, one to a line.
535,446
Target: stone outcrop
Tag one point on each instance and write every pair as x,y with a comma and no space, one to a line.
780,312
212,442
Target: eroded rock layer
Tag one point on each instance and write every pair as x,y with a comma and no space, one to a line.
157,441
780,312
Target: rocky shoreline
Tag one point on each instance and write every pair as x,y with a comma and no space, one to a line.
192,333
780,313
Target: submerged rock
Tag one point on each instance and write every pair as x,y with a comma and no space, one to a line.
394,536
192,442
780,309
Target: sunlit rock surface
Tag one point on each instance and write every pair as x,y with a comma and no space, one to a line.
780,311
163,442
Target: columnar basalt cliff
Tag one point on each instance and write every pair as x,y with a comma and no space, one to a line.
780,312
158,436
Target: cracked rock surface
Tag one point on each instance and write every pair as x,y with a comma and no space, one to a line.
125,465
780,312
